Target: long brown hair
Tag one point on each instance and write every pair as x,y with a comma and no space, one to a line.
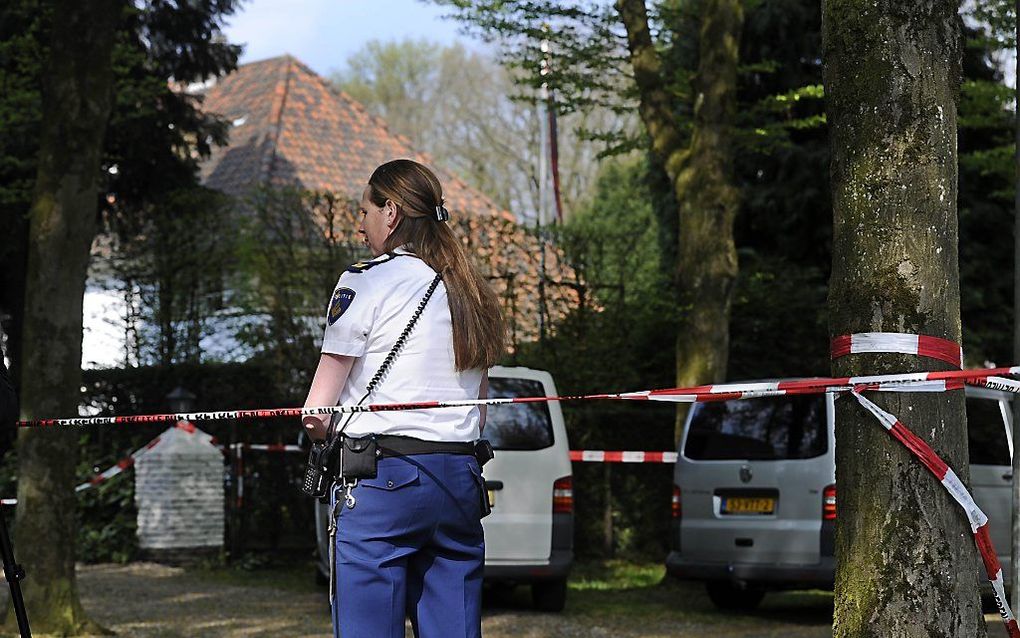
479,332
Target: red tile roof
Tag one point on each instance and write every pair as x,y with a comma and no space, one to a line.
293,128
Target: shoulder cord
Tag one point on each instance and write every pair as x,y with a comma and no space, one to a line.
388,361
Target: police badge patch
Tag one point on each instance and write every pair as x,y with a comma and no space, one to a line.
342,298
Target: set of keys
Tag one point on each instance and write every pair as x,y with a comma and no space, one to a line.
348,489
348,499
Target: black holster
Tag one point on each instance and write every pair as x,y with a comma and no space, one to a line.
323,466
483,452
359,457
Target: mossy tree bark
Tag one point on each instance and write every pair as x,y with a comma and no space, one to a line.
701,171
906,560
77,97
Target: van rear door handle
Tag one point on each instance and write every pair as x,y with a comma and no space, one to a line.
1008,476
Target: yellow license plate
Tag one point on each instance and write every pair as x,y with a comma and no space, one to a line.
492,498
748,505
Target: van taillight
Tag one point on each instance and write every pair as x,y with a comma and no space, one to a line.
829,503
563,495
676,508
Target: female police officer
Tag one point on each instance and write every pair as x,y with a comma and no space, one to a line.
409,541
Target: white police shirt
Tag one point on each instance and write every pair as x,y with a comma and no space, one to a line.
371,306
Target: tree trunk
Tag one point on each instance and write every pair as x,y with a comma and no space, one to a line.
906,562
77,97
702,176
708,199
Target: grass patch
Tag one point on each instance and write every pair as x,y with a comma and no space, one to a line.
616,591
615,575
619,592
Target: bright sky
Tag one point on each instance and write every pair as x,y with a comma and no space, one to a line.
324,33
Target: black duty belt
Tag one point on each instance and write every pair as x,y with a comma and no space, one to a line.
391,445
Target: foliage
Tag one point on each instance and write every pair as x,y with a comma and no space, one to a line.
107,517
779,320
999,18
23,27
292,245
622,244
156,134
986,188
457,106
172,271
586,42
621,321
613,340
590,65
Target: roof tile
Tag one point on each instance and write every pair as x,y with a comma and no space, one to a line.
293,127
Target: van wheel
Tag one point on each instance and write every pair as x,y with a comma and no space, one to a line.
728,596
549,595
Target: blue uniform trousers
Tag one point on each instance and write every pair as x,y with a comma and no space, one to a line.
412,546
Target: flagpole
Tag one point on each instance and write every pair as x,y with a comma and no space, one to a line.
543,178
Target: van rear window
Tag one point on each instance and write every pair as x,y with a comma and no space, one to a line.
986,432
778,428
517,426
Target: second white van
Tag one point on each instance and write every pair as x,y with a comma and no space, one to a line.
754,496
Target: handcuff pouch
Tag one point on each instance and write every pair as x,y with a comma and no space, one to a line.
483,452
359,457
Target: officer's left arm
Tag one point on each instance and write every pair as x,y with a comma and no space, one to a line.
330,377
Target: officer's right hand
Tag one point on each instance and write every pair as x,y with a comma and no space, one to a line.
315,427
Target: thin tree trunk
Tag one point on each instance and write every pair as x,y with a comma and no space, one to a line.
77,97
906,562
702,176
708,200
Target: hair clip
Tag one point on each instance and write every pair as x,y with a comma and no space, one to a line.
442,214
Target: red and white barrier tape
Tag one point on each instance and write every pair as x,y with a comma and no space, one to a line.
950,352
267,447
120,465
978,520
622,456
885,342
908,382
586,456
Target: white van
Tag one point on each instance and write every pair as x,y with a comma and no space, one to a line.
754,496
529,536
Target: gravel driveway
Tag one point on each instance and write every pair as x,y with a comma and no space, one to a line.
147,600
